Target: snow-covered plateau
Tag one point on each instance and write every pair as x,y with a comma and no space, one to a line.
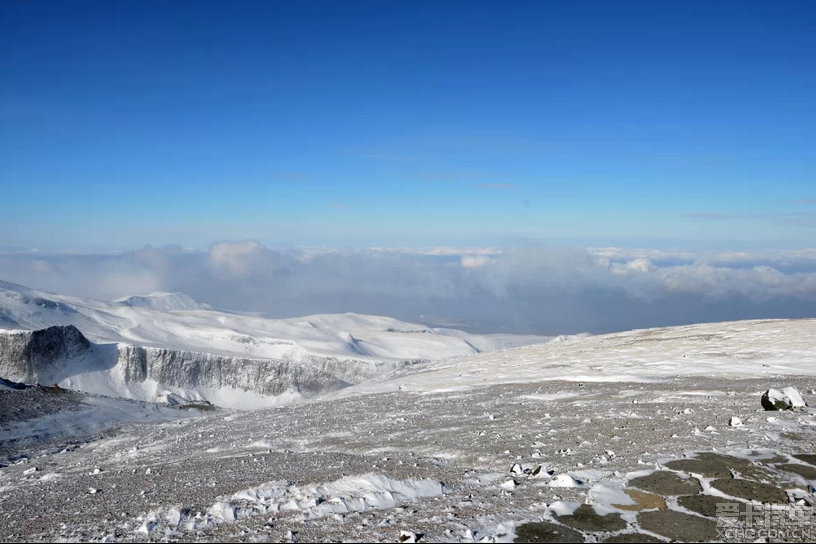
640,436
168,346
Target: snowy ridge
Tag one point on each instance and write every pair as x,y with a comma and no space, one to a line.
357,336
164,302
168,346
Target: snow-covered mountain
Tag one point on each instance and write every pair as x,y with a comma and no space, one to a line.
164,302
167,344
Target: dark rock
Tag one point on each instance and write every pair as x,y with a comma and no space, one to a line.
702,504
787,399
715,465
546,532
586,519
32,356
809,458
772,404
664,482
8,384
808,472
679,526
750,490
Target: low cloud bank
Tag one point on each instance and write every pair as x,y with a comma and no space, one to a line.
523,290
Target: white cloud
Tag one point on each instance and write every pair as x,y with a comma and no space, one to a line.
536,289
474,261
239,260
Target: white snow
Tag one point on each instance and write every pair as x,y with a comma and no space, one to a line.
356,347
164,302
794,397
744,349
175,321
563,480
608,495
789,396
349,494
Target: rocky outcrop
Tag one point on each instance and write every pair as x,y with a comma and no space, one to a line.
187,369
351,371
28,356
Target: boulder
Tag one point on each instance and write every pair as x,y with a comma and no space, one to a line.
787,399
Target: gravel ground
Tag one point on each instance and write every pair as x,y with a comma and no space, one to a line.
466,441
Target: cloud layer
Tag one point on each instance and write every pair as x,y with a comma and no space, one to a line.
531,289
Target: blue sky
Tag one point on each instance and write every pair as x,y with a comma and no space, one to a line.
654,124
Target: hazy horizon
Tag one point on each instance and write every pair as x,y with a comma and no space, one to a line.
530,289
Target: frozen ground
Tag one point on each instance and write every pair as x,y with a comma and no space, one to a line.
636,426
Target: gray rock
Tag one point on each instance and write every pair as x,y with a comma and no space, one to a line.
748,489
664,482
586,519
546,532
806,471
809,458
28,356
679,526
702,504
717,465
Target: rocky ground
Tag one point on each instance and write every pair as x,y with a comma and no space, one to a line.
551,462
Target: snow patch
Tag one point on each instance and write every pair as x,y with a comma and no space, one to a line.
349,494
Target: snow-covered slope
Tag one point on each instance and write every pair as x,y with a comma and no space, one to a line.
168,344
739,349
164,302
